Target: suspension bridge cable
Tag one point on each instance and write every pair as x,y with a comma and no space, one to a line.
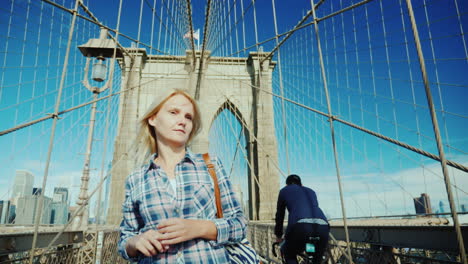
421,164
81,207
221,26
368,131
52,116
334,147
240,119
106,132
280,72
192,42
309,13
38,137
413,93
243,22
93,19
7,42
436,132
52,135
436,72
172,20
202,58
234,26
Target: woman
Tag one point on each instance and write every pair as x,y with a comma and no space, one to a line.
169,212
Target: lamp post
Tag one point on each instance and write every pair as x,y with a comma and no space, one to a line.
100,49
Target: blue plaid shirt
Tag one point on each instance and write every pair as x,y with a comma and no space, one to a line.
149,199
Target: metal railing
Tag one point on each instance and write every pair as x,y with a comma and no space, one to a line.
100,246
261,236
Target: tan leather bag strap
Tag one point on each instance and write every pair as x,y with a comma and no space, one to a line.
211,170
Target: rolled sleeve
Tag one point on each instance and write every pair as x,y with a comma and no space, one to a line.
129,226
223,231
232,227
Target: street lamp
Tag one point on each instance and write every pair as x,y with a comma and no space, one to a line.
100,49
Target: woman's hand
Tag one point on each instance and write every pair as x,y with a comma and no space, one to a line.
177,230
148,243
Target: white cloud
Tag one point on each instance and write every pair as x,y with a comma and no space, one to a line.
387,193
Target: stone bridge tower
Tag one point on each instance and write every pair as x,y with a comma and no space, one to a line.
241,85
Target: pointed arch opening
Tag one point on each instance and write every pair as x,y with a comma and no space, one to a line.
229,140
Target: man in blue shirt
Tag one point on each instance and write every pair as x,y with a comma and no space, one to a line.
305,219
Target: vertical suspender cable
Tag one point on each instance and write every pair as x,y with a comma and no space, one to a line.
152,25
229,21
21,71
390,81
285,135
172,42
205,35
254,170
52,134
139,24
237,33
460,23
435,126
243,23
325,87
413,94
160,26
437,80
192,42
166,29
255,22
374,87
6,48
106,131
36,65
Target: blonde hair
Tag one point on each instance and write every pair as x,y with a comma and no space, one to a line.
147,131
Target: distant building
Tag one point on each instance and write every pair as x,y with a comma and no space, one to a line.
36,191
59,213
23,184
4,211
11,214
60,194
422,204
464,208
442,208
26,210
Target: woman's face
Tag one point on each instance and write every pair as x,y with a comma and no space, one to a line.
173,122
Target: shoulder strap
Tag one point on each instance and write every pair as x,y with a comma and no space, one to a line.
211,170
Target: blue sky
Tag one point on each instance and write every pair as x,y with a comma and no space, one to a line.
373,77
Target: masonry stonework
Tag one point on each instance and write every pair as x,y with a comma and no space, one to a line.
241,85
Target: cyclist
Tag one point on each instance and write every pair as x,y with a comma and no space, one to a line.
305,219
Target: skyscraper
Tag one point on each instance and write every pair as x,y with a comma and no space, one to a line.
422,204
23,184
59,214
60,194
26,210
4,211
442,208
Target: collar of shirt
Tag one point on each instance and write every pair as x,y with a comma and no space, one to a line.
189,156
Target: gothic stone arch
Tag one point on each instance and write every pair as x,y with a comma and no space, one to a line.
233,79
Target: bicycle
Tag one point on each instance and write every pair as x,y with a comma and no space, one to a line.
308,256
